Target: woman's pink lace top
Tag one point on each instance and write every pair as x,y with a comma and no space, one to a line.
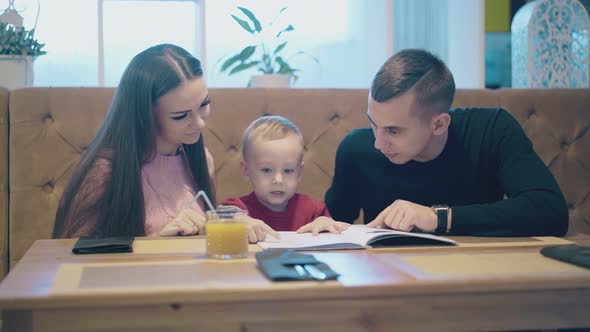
167,188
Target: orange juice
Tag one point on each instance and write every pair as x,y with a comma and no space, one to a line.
227,239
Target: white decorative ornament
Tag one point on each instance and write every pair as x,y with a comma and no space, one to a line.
11,15
550,45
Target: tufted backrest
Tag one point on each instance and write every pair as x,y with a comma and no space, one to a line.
324,117
49,130
51,127
558,123
3,181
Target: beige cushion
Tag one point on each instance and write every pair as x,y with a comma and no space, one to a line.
50,128
3,182
557,121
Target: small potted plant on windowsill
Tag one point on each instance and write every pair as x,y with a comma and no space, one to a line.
18,49
265,54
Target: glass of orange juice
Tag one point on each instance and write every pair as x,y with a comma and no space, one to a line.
227,234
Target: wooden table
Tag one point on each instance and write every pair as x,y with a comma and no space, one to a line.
168,284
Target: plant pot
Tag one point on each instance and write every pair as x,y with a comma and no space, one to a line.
17,71
270,81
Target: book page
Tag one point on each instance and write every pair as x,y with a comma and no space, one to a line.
354,237
389,237
293,240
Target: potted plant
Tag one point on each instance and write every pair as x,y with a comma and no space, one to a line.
18,50
265,54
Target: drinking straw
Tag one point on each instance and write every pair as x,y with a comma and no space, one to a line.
201,193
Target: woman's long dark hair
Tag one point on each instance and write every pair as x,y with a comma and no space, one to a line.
127,138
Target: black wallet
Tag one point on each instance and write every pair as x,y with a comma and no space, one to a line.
285,265
87,245
570,253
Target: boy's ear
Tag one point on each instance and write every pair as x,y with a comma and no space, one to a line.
244,170
301,170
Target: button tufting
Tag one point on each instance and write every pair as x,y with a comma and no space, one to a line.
335,117
564,145
48,119
48,187
531,112
233,147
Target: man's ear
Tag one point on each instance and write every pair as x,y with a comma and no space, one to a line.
244,170
440,123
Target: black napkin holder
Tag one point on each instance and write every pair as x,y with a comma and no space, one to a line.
279,265
88,245
571,253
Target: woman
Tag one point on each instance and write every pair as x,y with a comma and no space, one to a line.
148,158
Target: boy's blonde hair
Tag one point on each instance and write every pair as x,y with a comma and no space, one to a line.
269,127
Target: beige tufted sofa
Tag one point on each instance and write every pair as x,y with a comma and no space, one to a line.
43,132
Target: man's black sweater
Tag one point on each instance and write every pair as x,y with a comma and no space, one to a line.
488,173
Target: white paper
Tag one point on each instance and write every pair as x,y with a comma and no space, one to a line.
354,237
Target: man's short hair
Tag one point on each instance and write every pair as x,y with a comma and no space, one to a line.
420,71
270,127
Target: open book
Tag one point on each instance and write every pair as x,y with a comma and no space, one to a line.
354,237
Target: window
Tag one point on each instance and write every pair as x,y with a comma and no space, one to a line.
348,37
128,27
90,42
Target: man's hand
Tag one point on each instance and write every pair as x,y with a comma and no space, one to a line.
323,224
405,216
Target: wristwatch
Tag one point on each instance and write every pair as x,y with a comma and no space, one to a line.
442,217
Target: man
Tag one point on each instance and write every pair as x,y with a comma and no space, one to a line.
423,167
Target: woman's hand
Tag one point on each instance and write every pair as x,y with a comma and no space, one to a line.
187,222
323,224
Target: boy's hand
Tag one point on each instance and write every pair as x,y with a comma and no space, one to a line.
257,230
187,222
323,224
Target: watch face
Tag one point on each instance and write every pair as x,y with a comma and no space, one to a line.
441,217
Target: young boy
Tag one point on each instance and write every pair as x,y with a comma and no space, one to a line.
272,151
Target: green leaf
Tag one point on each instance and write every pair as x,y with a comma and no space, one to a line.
280,61
243,66
252,18
243,24
229,62
309,55
267,64
284,67
247,52
279,48
288,28
282,9
286,70
18,41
